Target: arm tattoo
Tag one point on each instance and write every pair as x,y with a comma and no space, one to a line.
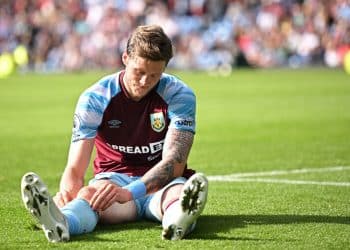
176,149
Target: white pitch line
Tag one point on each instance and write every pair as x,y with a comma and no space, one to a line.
285,172
284,181
242,177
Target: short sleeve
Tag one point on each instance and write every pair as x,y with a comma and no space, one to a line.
181,102
91,106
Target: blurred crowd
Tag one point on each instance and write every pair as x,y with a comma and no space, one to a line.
71,35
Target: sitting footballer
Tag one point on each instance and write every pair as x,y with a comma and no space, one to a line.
141,122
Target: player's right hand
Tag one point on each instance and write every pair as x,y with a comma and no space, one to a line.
62,198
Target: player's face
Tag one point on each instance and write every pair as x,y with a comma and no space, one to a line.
141,75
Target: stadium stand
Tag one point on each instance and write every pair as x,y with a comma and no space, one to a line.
74,35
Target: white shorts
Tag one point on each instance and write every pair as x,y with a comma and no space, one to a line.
148,206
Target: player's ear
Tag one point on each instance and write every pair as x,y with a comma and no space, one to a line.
125,58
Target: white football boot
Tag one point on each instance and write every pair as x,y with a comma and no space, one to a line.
192,202
39,203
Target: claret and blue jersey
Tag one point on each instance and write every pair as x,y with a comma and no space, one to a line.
129,135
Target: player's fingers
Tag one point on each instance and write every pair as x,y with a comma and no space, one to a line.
98,197
108,201
104,197
58,200
108,195
93,199
65,197
112,201
99,190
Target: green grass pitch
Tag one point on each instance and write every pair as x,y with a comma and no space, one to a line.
253,121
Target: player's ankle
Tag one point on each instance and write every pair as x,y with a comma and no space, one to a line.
171,213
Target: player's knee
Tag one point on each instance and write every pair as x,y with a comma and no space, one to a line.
86,193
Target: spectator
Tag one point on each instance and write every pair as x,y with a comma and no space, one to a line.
72,35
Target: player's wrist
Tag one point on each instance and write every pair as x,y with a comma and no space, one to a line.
137,189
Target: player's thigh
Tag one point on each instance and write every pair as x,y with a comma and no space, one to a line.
118,213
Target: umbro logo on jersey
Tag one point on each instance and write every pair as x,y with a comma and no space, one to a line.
114,123
157,121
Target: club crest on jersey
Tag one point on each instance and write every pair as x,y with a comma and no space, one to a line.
157,121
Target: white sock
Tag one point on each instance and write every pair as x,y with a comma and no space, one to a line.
170,214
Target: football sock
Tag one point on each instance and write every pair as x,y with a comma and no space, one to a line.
170,213
80,216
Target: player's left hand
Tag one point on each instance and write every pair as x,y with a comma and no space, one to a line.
108,193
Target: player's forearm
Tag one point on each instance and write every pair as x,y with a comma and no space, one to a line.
176,149
78,161
71,181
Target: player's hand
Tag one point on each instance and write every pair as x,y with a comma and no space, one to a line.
62,198
108,193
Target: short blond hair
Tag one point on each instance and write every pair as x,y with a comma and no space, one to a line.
150,42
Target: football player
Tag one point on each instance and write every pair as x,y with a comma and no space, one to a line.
142,124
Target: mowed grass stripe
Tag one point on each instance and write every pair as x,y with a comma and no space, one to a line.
253,121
